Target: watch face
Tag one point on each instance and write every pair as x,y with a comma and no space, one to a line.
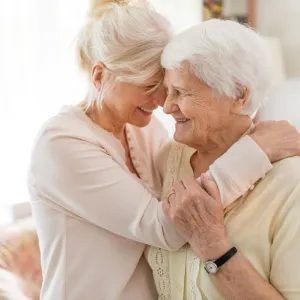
211,267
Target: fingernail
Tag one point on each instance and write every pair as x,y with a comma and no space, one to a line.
203,176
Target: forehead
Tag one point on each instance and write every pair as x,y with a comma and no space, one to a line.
155,79
181,77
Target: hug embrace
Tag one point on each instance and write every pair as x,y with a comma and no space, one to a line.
124,212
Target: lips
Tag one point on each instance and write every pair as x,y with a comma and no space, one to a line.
181,120
146,110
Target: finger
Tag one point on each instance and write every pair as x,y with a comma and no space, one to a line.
210,186
190,182
171,197
192,186
253,128
179,187
166,207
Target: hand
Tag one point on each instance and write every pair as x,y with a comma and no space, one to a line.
278,139
197,212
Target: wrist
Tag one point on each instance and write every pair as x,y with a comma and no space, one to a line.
212,251
257,138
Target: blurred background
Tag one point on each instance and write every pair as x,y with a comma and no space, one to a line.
38,75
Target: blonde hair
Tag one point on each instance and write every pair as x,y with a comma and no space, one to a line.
128,37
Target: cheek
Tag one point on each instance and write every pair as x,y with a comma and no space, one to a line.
199,112
160,96
134,100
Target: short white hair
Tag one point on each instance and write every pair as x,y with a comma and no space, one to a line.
227,56
128,37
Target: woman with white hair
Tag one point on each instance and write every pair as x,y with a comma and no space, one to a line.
93,179
217,75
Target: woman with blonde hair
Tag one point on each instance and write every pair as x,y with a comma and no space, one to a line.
93,178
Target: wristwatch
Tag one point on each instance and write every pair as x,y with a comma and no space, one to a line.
212,266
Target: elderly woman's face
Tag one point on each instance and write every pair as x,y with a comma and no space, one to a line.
200,118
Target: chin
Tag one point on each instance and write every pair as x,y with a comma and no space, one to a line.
141,123
179,138
185,137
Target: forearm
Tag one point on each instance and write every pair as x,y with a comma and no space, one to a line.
237,279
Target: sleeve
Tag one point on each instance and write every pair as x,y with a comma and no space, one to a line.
83,179
236,171
285,249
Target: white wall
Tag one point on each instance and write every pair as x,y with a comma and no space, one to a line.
278,18
182,14
282,19
284,103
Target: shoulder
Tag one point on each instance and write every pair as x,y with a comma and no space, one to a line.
70,122
286,172
281,187
66,137
69,127
280,182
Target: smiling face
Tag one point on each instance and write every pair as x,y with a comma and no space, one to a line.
129,103
202,121
134,104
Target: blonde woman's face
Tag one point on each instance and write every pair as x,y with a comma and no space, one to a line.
133,104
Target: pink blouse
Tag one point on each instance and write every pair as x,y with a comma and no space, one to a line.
94,217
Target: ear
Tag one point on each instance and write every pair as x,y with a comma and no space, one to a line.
97,75
239,104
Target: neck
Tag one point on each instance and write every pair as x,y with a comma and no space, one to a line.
107,120
203,158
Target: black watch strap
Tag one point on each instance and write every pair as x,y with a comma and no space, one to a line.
222,260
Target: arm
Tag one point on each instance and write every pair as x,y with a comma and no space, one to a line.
234,172
249,159
207,236
84,180
237,277
285,248
238,169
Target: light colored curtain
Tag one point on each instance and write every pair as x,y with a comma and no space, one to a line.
37,76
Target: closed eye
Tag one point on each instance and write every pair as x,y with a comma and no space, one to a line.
174,93
149,89
177,93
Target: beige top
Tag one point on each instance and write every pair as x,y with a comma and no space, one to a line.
264,225
94,217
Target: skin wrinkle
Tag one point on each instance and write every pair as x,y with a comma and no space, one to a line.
212,126
209,117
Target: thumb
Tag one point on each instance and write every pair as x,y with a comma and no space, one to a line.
210,186
166,207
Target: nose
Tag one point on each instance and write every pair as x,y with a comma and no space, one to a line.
159,97
170,106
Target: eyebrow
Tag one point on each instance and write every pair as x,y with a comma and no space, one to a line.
179,88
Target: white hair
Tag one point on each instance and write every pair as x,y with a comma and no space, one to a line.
227,56
128,37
